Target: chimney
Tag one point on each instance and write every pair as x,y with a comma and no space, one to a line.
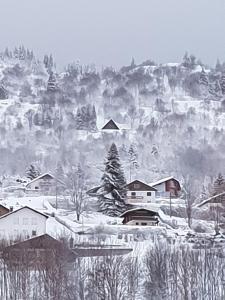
11,208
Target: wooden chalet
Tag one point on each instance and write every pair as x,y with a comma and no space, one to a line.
167,187
38,251
140,192
141,217
45,184
111,125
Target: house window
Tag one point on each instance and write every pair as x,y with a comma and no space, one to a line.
133,194
25,221
34,232
36,187
143,224
149,194
137,223
16,221
34,221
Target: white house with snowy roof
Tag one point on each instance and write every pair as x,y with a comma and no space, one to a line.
140,192
45,184
24,222
167,187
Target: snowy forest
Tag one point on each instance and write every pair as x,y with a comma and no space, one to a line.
170,120
170,117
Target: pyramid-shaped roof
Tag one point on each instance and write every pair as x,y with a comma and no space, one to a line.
110,125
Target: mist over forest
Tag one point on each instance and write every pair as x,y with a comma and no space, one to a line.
171,114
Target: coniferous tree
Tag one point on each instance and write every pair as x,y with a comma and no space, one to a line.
52,84
218,67
132,158
3,93
186,60
86,118
32,172
222,83
112,193
219,185
203,80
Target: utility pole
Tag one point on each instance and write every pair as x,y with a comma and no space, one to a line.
170,205
56,193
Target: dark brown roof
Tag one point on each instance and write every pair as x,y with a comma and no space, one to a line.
4,207
110,125
142,186
140,211
44,242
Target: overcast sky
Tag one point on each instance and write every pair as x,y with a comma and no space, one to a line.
111,32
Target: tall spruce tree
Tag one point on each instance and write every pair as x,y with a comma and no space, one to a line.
3,93
203,80
52,84
32,172
219,185
112,192
222,83
132,158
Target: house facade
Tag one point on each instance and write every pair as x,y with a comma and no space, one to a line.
45,184
167,187
140,192
140,217
24,222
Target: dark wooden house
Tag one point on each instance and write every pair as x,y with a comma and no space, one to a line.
141,217
167,187
3,210
39,250
111,125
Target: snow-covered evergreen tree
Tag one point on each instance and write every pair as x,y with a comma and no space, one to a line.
219,185
32,172
52,84
204,83
133,159
86,118
203,80
112,193
3,93
222,83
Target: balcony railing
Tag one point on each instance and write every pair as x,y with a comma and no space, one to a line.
135,197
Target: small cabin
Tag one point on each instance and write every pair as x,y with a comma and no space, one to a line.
141,217
167,187
110,125
140,192
45,184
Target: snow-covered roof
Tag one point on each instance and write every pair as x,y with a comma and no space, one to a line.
161,181
156,210
43,175
210,200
